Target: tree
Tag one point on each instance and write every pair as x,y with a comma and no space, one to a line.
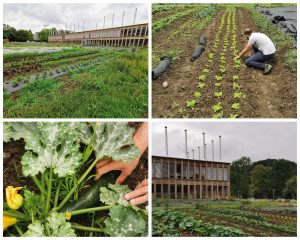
14,35
43,35
9,32
260,181
290,189
240,177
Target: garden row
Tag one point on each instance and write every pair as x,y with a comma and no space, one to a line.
219,77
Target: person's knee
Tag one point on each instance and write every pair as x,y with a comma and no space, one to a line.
248,62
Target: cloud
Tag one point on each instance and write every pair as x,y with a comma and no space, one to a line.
36,16
258,140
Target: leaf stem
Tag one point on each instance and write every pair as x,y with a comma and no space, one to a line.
88,210
48,199
74,187
39,185
15,214
18,230
57,194
84,228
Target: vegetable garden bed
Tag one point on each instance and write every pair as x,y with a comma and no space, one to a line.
55,174
216,85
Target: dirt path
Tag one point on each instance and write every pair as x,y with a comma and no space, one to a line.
270,96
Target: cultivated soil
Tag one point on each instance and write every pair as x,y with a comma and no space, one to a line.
265,96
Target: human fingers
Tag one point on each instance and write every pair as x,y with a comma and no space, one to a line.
113,165
102,163
143,183
124,174
136,193
139,200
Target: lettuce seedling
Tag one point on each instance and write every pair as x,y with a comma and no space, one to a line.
235,86
235,106
197,94
202,77
237,95
201,85
218,94
217,107
217,85
191,104
235,77
218,78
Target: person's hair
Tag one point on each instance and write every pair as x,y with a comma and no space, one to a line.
247,31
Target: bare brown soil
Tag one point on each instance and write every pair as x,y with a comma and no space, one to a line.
265,96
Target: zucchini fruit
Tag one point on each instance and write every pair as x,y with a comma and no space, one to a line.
91,197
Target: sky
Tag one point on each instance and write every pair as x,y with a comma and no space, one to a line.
35,16
257,140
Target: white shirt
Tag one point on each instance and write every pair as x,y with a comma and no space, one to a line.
262,42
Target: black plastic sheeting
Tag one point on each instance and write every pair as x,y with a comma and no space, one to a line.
202,41
198,51
284,17
161,67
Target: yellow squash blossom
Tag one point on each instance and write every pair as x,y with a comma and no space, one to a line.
14,200
68,216
8,221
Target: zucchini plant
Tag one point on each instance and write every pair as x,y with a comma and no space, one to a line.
60,168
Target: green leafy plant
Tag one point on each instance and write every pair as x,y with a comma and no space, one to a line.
237,95
205,70
235,86
218,94
235,77
218,115
217,85
201,85
235,106
217,107
218,78
233,115
202,77
191,104
197,94
59,167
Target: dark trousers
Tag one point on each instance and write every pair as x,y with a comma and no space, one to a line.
257,60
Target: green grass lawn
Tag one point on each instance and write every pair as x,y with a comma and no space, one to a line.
117,88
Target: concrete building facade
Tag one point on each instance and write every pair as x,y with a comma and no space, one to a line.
131,36
177,178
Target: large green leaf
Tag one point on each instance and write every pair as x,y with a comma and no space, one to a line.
56,224
114,194
48,145
114,141
124,222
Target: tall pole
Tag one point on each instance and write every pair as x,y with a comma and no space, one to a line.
123,19
96,26
199,156
187,155
104,23
134,16
166,140
112,21
213,150
186,152
66,26
83,25
220,148
204,153
74,28
193,154
78,26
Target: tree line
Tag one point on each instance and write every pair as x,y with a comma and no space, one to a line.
13,35
270,178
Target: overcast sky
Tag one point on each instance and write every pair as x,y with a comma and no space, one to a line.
259,141
35,16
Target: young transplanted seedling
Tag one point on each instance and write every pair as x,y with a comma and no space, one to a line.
237,95
218,78
217,107
197,94
191,104
218,94
217,85
235,86
202,77
235,77
235,106
218,115
233,115
201,85
205,70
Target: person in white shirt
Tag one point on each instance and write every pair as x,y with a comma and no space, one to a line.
264,50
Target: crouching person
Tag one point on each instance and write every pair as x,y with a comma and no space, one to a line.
263,48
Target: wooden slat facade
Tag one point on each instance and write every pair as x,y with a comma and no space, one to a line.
176,178
127,36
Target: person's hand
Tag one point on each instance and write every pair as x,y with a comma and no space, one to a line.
139,195
237,57
105,166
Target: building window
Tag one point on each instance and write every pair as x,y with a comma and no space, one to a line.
185,171
191,171
220,174
165,170
157,170
158,190
197,172
178,170
172,170
178,189
225,174
214,173
203,174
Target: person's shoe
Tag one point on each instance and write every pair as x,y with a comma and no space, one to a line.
268,69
